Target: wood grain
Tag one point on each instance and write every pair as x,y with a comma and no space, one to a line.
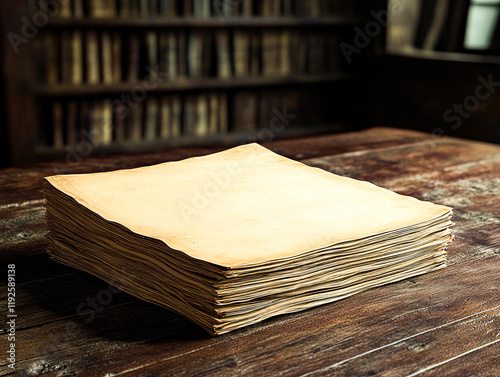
445,323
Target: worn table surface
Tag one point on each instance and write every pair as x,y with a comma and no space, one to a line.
445,323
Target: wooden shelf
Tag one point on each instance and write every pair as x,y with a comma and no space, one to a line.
92,49
59,90
412,52
192,22
47,153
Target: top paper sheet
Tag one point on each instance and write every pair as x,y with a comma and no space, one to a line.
244,206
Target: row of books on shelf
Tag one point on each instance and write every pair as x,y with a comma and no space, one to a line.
106,121
194,8
91,56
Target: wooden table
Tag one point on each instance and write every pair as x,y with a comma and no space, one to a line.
445,323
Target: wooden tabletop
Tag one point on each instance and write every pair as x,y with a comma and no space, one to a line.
446,323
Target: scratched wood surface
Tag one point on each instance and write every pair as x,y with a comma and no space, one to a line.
445,323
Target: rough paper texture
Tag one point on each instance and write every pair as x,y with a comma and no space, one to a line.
244,206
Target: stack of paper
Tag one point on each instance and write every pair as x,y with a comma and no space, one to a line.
235,237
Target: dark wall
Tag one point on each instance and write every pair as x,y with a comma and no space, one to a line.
4,136
453,98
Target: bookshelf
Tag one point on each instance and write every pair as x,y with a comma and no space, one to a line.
127,75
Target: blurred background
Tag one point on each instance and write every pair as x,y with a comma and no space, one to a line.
86,77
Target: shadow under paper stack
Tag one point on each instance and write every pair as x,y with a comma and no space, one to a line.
232,238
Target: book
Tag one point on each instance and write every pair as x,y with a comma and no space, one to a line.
116,57
201,8
165,118
57,125
106,57
316,60
271,50
333,54
223,113
273,102
207,55
230,8
125,8
182,59
202,118
267,8
65,9
213,123
188,8
167,55
241,40
119,125
338,7
73,133
255,60
287,7
135,8
223,56
134,122
311,8
173,58
66,56
303,54
92,57
77,52
144,8
92,130
244,111
78,9
190,115
50,61
285,53
151,118
226,8
99,123
247,8
232,238
84,123
163,52
101,8
195,49
152,49
176,107
106,121
275,7
133,57
295,57
168,8
153,8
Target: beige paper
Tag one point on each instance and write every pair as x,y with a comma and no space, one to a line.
236,237
243,206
